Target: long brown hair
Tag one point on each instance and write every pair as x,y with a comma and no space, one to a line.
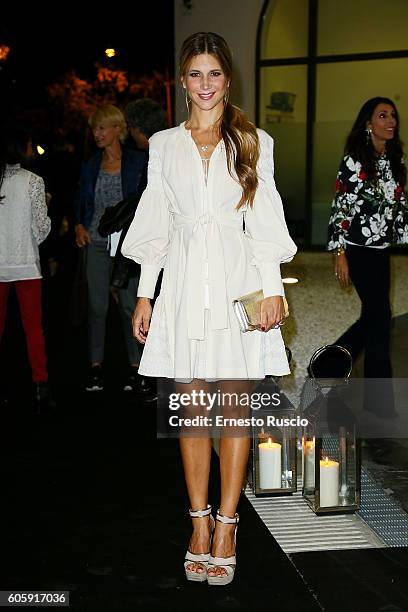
238,133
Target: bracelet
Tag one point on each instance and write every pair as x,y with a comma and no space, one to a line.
340,251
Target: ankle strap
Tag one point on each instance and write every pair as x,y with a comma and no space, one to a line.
227,519
200,513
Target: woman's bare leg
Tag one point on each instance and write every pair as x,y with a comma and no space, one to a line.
195,447
234,450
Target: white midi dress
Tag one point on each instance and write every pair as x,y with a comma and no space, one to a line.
187,223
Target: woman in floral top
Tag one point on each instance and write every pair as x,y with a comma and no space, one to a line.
369,212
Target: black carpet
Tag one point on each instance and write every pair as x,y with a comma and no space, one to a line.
94,504
373,579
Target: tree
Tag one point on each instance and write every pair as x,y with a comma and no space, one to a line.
72,99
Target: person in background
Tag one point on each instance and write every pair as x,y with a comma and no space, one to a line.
369,212
144,118
24,224
112,174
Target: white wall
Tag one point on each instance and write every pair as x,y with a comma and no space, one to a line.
237,22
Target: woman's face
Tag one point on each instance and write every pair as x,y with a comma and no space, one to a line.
105,134
383,122
205,81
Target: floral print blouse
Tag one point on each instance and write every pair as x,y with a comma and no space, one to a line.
367,213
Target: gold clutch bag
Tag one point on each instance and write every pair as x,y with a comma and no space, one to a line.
248,310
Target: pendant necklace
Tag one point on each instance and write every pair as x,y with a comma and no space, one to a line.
205,147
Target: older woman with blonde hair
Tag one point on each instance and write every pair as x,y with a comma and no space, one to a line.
112,174
212,218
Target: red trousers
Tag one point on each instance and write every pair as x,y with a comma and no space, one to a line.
29,299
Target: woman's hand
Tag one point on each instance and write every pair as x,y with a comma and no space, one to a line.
272,312
141,319
341,270
82,237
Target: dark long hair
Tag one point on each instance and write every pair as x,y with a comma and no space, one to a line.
238,133
362,149
13,147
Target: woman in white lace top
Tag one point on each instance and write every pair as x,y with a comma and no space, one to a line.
24,224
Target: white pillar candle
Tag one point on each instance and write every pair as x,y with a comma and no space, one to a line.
309,464
270,469
329,482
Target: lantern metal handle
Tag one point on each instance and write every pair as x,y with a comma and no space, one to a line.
334,380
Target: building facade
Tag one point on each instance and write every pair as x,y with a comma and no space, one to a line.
303,69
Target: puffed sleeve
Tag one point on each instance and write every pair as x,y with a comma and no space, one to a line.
147,239
401,217
349,185
40,221
265,225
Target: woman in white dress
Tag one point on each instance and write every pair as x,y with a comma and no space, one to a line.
212,218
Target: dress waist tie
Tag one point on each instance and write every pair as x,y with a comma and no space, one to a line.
205,243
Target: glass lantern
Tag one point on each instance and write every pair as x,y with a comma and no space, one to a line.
331,453
273,454
332,471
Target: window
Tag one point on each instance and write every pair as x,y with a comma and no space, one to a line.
318,62
283,116
363,26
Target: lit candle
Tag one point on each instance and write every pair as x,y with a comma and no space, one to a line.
309,464
270,470
329,482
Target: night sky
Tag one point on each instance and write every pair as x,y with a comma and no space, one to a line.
46,44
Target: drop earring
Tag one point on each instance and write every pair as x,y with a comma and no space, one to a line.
226,96
369,131
187,100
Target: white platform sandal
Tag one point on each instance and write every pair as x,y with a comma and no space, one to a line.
227,563
201,558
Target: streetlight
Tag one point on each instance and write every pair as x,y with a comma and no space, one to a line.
110,53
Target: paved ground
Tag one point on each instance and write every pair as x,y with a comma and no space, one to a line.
321,311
